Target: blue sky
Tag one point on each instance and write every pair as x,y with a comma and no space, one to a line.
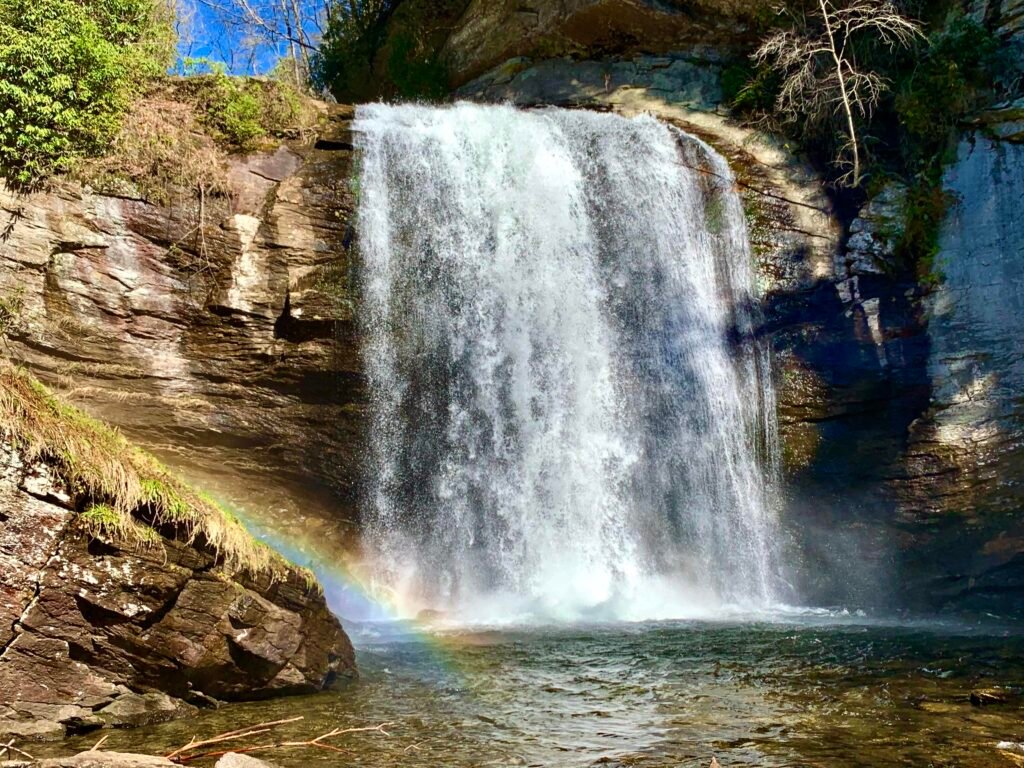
204,34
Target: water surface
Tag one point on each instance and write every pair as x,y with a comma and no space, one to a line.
813,693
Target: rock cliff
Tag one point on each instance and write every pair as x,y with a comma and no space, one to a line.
490,33
216,332
236,358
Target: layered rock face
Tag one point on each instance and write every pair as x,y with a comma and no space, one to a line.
1006,16
217,332
94,632
489,33
235,358
965,459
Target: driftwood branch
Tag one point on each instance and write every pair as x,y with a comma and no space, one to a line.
241,733
191,751
10,749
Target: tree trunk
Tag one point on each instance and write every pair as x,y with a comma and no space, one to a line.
844,93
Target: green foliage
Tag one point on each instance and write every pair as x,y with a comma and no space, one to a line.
344,62
68,72
102,515
750,90
416,74
956,72
392,49
241,112
157,492
191,66
959,70
924,210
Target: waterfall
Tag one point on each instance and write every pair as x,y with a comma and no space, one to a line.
571,415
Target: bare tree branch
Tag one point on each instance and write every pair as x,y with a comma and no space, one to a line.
191,751
821,76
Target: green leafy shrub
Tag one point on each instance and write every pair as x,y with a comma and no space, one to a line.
68,72
415,73
390,49
239,118
344,63
956,72
240,111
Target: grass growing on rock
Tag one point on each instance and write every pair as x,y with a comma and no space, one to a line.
127,491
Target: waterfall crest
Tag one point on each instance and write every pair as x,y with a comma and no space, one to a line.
571,416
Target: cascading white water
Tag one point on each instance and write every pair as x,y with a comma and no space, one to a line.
571,415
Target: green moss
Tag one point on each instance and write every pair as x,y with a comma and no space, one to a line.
714,215
924,210
103,520
102,515
124,488
956,72
157,492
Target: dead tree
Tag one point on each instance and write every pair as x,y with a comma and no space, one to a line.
821,77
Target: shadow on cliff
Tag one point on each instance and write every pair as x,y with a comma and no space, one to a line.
866,358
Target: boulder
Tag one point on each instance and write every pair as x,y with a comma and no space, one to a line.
130,710
107,633
874,233
235,760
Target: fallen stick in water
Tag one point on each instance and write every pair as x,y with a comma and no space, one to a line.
190,751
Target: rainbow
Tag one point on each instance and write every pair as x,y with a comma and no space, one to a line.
368,614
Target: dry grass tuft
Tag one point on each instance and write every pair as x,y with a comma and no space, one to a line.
126,488
164,151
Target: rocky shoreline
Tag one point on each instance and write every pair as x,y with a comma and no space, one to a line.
124,610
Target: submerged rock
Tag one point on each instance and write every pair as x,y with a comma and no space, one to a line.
236,760
98,759
135,709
